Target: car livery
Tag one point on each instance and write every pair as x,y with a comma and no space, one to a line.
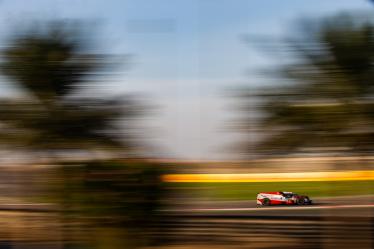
282,198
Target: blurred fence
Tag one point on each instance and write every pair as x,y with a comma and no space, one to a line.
37,229
241,231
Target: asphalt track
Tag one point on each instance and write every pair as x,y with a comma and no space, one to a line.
354,206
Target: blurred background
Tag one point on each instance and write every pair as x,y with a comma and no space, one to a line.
154,124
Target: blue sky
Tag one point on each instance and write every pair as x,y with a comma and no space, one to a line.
185,55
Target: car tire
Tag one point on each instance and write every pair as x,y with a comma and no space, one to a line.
301,201
307,200
266,202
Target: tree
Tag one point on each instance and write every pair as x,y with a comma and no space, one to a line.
52,65
328,103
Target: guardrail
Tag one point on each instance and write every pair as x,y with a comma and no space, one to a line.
266,231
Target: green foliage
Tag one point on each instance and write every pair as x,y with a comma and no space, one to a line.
248,191
110,196
123,190
52,65
328,104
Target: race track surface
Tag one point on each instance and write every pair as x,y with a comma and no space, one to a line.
360,206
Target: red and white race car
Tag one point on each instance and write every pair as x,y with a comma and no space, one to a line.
282,198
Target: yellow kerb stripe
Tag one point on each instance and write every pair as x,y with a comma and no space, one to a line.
273,177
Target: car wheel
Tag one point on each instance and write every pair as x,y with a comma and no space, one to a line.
301,201
266,202
307,200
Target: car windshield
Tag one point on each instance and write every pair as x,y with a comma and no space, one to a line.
288,195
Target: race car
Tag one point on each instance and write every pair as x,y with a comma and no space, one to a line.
282,198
